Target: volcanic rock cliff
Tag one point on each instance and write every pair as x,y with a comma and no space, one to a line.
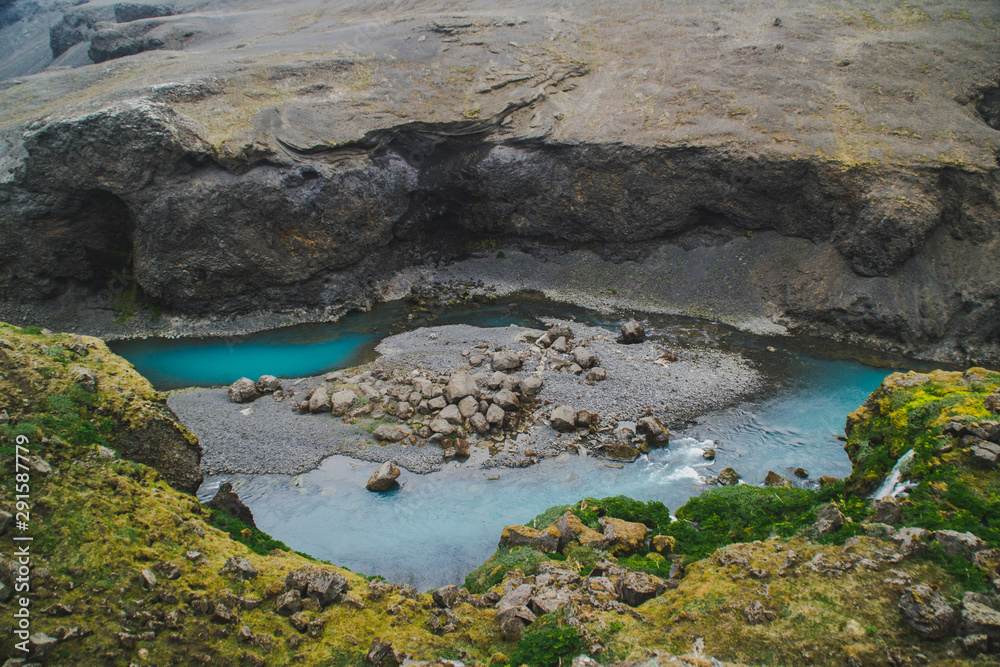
834,170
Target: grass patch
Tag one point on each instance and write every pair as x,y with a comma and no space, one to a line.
257,540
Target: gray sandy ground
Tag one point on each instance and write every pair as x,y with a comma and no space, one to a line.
268,437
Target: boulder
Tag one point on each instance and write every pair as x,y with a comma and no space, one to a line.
88,381
388,433
446,596
959,545
596,374
623,538
654,431
147,580
479,423
563,418
323,586
403,410
495,415
584,358
462,449
554,333
985,454
468,406
459,386
40,646
925,612
268,384
663,544
560,345
548,600
452,414
801,473
240,568
441,426
992,402
530,386
227,502
636,587
887,510
497,380
243,390
437,403
978,618
384,478
601,589
506,361
774,479
545,541
513,620
571,529
618,451
381,654
911,540
288,603
342,401
319,401
632,332
828,520
585,419
728,477
507,400
975,644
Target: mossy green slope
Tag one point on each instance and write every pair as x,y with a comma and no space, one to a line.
98,523
761,587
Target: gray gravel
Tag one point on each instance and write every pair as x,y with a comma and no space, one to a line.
266,436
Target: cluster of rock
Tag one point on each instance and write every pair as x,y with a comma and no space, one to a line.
562,352
981,439
976,620
629,445
307,591
922,608
246,390
608,587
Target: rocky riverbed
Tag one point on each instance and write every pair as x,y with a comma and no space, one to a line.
404,406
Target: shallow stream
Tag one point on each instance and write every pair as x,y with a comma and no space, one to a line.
436,528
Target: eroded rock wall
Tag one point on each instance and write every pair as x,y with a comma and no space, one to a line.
899,255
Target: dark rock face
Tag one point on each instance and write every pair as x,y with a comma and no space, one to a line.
225,500
128,11
302,204
159,442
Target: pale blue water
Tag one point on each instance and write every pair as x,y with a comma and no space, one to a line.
438,527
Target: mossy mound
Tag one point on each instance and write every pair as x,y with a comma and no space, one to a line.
65,392
99,522
913,411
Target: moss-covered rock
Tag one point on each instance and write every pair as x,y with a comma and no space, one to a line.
72,390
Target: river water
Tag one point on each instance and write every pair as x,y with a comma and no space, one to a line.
436,528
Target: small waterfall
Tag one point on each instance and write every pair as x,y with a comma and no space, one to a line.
891,486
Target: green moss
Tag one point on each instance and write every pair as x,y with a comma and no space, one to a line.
548,642
257,540
740,514
505,559
653,514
